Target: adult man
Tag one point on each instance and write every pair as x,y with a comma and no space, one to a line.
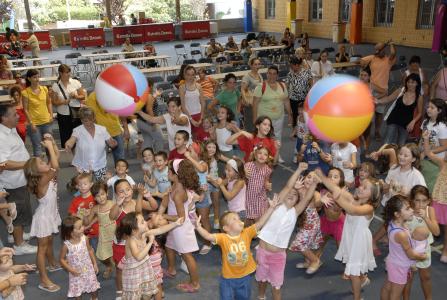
213,48
133,20
380,65
14,155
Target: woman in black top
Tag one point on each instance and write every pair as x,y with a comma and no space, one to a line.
401,117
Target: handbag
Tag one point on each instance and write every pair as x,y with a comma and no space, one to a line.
74,111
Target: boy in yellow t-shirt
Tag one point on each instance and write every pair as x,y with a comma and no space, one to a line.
237,260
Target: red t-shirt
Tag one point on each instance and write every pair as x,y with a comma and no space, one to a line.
247,145
78,207
202,136
173,154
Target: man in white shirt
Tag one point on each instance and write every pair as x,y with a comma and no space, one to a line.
14,155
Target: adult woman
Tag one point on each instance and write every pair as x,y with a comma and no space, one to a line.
152,137
245,50
38,110
400,117
301,53
341,56
305,41
439,85
414,67
193,102
16,96
322,67
91,140
288,39
299,82
249,82
175,120
269,99
229,96
67,96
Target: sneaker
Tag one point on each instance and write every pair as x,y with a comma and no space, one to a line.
205,250
183,267
26,237
24,249
295,160
280,160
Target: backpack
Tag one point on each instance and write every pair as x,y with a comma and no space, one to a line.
264,85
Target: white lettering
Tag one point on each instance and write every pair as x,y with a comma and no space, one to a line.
131,35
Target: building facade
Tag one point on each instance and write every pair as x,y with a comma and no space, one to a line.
406,22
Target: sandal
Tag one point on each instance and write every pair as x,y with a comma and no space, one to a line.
303,265
366,281
312,270
168,275
187,288
205,250
55,268
119,295
51,288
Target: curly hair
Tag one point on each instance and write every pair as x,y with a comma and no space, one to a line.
32,175
187,176
393,205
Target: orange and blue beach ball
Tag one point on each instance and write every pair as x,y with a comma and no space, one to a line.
338,108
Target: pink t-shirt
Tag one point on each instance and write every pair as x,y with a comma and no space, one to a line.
236,204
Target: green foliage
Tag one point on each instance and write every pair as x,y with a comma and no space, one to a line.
76,13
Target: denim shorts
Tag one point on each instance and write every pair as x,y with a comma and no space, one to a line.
235,288
206,202
212,188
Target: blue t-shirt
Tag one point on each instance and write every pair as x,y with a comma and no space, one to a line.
163,183
313,159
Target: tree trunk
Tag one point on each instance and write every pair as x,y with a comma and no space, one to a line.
178,16
108,10
28,15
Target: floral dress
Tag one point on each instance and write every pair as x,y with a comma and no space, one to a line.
308,237
79,259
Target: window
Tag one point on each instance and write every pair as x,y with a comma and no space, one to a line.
316,10
345,10
384,12
426,14
269,9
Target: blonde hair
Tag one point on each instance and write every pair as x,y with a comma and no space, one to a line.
32,175
300,50
86,113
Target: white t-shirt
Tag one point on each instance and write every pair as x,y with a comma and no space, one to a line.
438,132
111,183
341,155
404,180
73,86
320,70
90,151
222,134
279,227
173,128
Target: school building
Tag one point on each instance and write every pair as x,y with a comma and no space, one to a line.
406,22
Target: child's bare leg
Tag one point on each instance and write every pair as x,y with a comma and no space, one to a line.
170,255
50,254
159,295
320,250
119,280
94,295
378,235
385,291
407,288
311,257
356,284
425,276
109,267
42,248
262,287
276,293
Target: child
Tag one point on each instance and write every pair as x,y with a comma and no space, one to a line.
160,175
258,183
147,166
314,154
365,171
81,205
275,235
401,178
333,219
121,169
185,182
300,130
124,205
78,258
237,260
224,129
308,239
424,219
8,269
207,131
355,248
181,141
344,157
41,177
400,258
106,231
439,195
233,187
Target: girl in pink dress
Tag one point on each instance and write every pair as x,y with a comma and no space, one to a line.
78,258
182,239
258,174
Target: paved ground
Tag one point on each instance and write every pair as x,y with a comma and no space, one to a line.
326,284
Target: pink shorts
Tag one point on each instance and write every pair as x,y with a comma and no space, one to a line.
396,273
270,267
441,212
332,228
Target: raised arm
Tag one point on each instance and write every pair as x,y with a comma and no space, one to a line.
303,203
264,218
204,233
292,180
389,98
152,119
232,140
165,228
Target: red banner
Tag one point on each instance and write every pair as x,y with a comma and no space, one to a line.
42,36
134,32
158,32
195,29
87,37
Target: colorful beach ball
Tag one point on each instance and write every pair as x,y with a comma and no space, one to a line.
338,108
121,89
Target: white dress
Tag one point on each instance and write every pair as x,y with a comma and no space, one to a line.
46,218
356,249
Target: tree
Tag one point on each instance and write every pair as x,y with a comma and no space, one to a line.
117,7
5,8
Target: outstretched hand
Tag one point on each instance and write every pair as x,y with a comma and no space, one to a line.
275,201
326,200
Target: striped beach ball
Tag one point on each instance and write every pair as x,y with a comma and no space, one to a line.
121,89
338,108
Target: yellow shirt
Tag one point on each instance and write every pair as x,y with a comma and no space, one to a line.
110,121
37,105
237,259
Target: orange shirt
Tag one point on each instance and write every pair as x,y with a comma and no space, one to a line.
380,70
207,87
237,259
